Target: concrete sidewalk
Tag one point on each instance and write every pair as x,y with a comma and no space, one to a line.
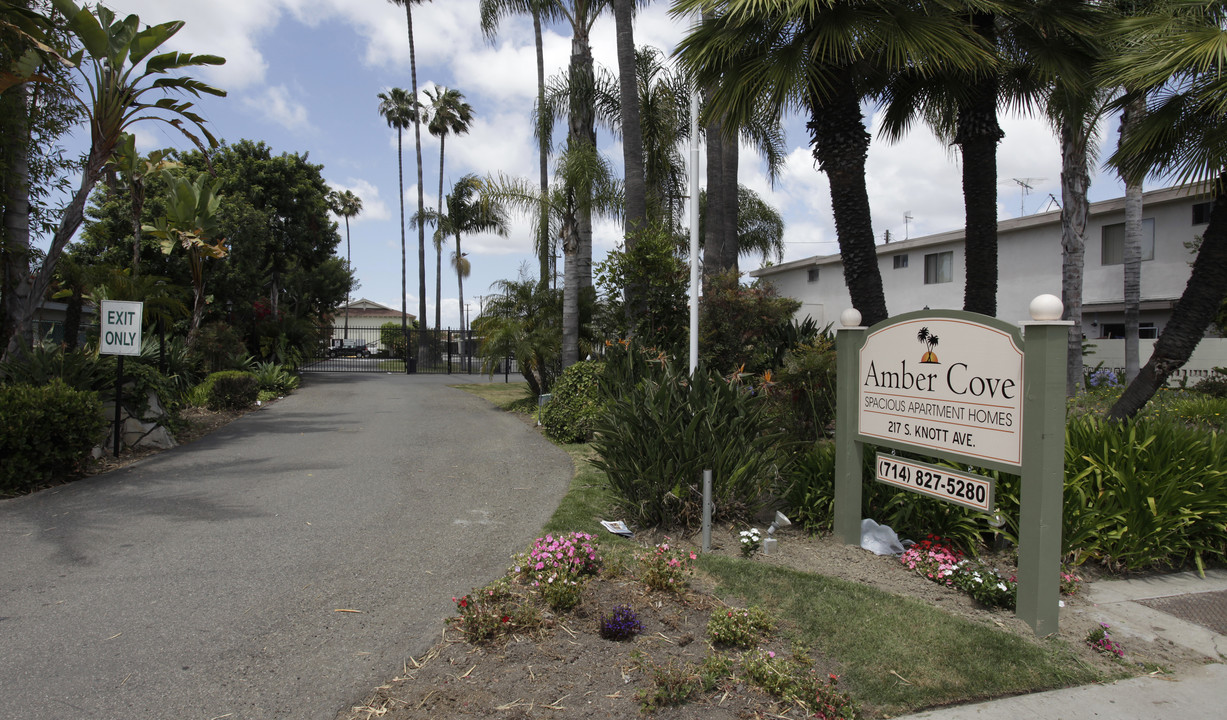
1129,607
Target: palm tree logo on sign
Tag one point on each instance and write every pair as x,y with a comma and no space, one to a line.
930,342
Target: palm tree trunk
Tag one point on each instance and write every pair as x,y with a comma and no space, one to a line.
70,222
841,145
728,196
1200,302
15,291
713,223
417,139
543,143
581,131
460,284
349,265
404,290
570,291
439,241
1132,251
978,134
1074,211
632,132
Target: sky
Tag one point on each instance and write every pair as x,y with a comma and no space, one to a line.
303,76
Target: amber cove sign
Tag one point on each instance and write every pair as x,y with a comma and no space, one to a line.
951,385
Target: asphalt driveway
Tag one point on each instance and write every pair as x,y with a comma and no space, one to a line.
204,582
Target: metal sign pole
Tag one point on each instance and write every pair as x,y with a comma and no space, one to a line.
119,396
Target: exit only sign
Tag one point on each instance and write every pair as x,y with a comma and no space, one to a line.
121,327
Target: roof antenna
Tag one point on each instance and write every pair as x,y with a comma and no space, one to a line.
907,222
1024,188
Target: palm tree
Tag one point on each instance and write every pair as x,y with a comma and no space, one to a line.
581,143
115,95
1169,55
347,204
541,11
752,54
522,321
760,227
470,209
449,113
399,109
1074,107
417,116
1031,43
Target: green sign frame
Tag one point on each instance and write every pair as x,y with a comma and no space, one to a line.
1039,382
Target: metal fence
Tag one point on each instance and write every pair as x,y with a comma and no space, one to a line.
439,351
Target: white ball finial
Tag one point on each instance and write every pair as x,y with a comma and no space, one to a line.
850,318
1046,308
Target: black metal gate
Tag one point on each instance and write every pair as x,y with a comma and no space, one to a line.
379,350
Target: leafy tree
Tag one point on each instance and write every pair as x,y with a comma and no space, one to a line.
281,275
133,170
1170,55
400,109
449,114
736,322
652,265
191,223
542,11
345,204
119,71
35,112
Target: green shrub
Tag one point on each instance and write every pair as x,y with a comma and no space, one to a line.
181,368
660,433
217,346
1215,385
78,369
575,403
232,390
803,396
1149,493
45,431
392,340
740,627
275,379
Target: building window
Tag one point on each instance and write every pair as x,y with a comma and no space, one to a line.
900,261
1116,331
812,275
1113,245
939,267
1201,213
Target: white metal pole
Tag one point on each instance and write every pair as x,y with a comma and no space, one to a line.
694,231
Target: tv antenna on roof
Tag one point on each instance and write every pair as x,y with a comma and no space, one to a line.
907,221
1024,188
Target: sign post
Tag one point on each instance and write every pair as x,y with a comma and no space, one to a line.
120,335
958,386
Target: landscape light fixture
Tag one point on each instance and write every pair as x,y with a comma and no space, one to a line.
780,521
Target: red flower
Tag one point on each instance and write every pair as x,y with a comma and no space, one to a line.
506,618
464,601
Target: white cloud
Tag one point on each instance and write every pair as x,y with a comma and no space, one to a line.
373,207
277,105
229,28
